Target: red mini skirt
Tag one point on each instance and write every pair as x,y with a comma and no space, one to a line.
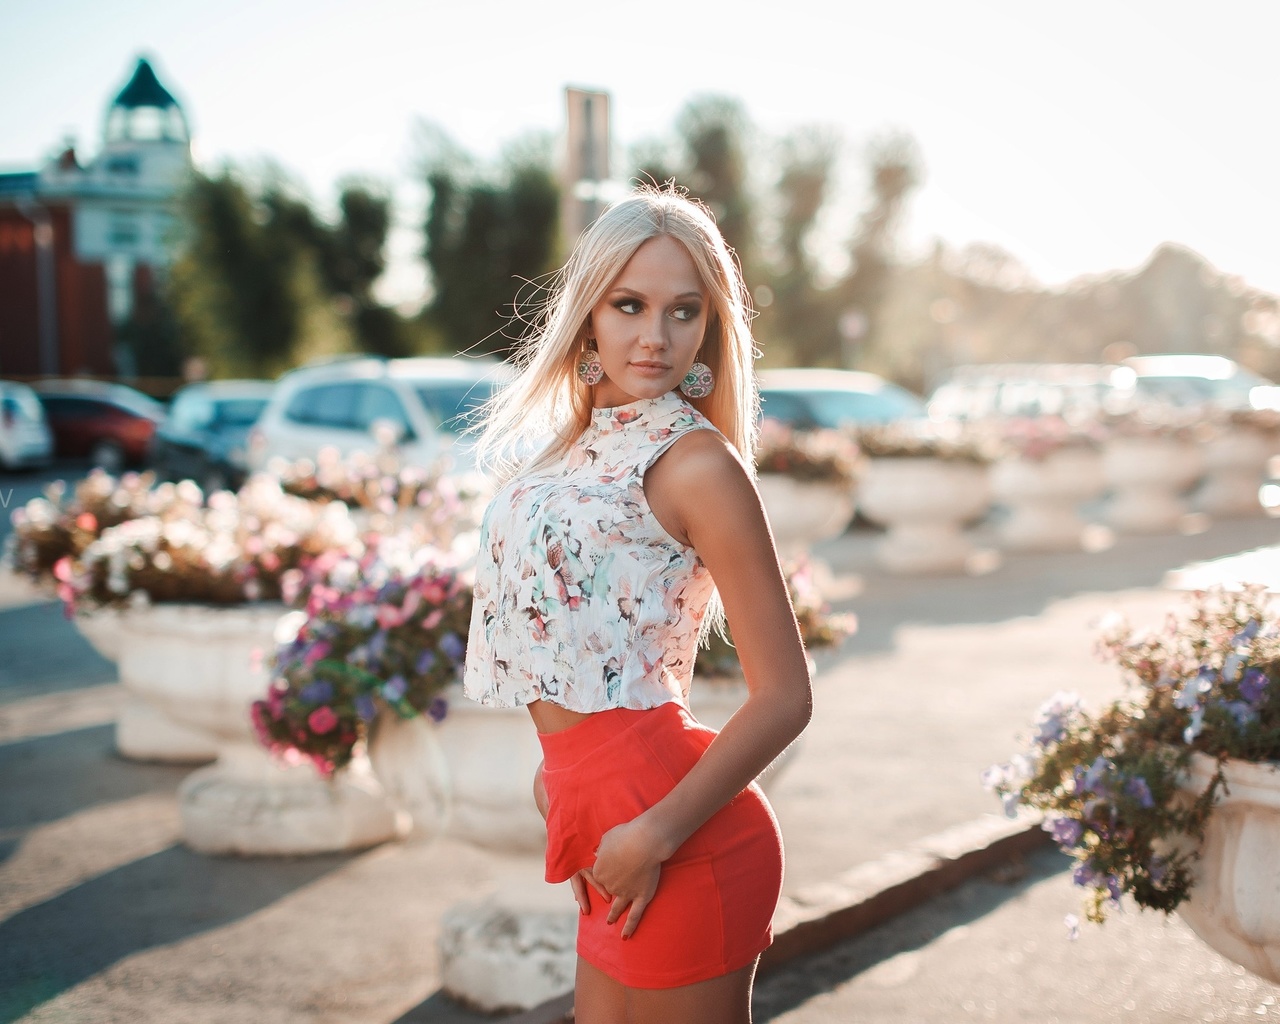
713,910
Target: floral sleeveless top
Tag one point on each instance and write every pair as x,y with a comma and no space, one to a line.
581,597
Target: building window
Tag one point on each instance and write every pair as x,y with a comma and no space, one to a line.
123,165
123,231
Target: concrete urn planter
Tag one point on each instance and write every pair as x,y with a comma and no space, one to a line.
143,731
805,512
1043,497
469,775
925,504
1148,478
1234,905
203,666
1235,466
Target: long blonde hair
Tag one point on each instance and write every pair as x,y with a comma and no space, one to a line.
546,405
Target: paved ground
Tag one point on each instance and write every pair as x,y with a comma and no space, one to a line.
106,917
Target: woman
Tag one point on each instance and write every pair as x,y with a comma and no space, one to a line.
603,562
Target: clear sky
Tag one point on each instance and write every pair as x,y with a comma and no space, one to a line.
1077,136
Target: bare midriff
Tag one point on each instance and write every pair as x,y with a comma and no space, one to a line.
548,717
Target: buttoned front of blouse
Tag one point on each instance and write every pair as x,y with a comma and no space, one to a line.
582,598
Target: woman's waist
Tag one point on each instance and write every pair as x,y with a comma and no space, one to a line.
581,735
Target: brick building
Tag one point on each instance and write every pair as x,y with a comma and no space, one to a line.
83,245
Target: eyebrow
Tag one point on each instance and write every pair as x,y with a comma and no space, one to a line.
641,295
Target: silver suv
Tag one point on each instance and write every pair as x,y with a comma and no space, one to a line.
425,403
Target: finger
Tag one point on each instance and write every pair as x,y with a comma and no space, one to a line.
616,909
633,918
604,893
581,893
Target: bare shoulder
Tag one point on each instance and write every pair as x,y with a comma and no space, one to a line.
700,471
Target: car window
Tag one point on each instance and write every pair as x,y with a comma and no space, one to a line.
326,405
238,412
24,402
70,407
379,402
847,408
788,408
453,404
191,411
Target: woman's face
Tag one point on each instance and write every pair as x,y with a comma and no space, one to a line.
649,324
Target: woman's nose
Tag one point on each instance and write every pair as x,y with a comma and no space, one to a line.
654,334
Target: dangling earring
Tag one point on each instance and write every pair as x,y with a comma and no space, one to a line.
699,381
590,369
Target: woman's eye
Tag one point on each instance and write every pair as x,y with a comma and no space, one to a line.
686,312
627,306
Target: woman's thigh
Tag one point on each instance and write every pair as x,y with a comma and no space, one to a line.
599,999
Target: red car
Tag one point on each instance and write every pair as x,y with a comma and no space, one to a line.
113,425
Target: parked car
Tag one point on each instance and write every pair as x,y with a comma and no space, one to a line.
113,425
25,437
809,398
1075,391
427,402
205,436
1189,380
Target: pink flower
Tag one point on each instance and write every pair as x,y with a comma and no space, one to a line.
322,720
62,569
317,652
433,620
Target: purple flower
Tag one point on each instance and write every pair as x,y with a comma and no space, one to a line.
1243,713
1066,832
1253,686
1084,876
453,646
365,707
426,660
377,646
1193,730
319,692
437,709
1138,789
1113,887
1098,771
395,688
1248,633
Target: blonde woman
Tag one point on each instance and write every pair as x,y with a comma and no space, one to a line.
604,559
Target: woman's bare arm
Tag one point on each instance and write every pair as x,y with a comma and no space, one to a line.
702,493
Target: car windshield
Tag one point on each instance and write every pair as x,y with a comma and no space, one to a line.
453,403
240,412
845,408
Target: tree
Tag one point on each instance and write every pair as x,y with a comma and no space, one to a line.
247,289
716,133
486,235
894,164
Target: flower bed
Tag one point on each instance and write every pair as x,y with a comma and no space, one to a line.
1113,785
828,456
385,629
235,549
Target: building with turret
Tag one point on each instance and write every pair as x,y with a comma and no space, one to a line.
82,246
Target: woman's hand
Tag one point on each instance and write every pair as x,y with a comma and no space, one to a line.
627,868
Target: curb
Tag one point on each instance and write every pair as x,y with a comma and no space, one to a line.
867,896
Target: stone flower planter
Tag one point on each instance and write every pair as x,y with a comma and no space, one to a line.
1044,496
805,512
1235,903
1235,465
143,731
203,666
925,504
469,775
1149,478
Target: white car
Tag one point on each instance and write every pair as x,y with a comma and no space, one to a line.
424,402
25,437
